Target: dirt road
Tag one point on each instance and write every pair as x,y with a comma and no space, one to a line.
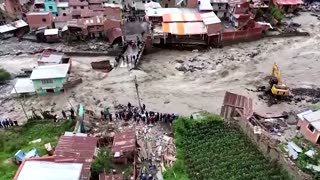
165,89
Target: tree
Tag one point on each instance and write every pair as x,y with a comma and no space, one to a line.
103,162
4,75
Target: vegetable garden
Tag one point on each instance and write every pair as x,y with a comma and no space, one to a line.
209,149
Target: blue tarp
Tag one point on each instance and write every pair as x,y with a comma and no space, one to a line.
20,155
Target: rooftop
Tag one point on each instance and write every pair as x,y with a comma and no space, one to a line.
48,32
37,13
39,170
210,18
79,149
124,142
50,71
314,119
205,5
62,4
13,26
289,2
181,17
23,85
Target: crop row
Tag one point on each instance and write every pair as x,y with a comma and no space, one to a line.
213,151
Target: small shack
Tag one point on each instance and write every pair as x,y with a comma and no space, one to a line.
52,35
123,148
309,125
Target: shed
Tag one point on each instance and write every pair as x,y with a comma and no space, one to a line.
124,145
52,35
309,125
212,23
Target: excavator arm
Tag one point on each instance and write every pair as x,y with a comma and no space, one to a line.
276,73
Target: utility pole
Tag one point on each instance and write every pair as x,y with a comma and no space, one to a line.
137,90
21,103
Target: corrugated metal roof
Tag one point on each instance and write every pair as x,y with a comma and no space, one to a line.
187,28
23,85
48,32
205,5
210,18
7,28
124,142
80,149
50,71
37,170
314,116
181,17
289,2
52,58
39,2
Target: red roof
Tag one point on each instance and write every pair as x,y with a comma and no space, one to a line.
78,149
289,2
180,17
124,142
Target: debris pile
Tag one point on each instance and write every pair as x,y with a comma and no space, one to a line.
156,151
104,66
313,7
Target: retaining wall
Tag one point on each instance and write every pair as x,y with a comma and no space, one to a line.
270,149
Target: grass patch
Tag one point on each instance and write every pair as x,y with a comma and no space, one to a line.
11,140
207,148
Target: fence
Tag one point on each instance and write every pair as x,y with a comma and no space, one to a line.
241,35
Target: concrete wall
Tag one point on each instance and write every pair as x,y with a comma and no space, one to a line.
311,136
39,20
56,83
63,10
268,146
239,36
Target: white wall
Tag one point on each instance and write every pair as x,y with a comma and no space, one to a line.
65,10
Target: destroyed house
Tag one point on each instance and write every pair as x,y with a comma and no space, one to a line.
50,78
123,148
309,125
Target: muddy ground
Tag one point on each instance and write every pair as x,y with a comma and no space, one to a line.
200,84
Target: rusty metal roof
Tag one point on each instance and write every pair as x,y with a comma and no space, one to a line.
243,103
78,149
124,142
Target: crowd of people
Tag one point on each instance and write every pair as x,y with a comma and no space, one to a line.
8,122
128,54
138,115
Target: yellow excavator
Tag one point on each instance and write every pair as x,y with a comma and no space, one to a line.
277,87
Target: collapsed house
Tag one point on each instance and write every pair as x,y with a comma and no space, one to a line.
124,146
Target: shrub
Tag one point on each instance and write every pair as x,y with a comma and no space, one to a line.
4,75
103,162
277,14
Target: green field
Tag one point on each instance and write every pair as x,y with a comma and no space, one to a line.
209,150
11,140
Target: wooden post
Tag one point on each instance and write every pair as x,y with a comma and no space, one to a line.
137,90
